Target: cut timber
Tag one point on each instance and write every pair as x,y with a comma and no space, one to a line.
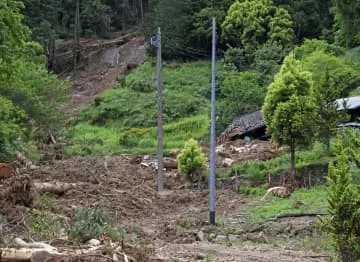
26,255
5,171
57,188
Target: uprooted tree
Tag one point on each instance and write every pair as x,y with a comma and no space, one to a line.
289,109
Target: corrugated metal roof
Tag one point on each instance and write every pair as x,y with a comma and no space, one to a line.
350,103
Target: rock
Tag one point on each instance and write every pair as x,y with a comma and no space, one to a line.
93,242
212,236
233,237
170,163
221,238
227,162
200,236
146,157
136,160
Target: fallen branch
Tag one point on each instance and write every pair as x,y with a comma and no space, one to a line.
286,215
279,191
57,188
21,243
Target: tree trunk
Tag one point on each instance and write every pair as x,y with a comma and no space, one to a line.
141,10
293,162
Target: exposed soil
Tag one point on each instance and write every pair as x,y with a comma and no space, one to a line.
166,225
102,71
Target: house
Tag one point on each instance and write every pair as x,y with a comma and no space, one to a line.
251,125
352,107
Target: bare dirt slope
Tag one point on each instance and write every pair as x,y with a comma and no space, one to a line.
102,72
168,224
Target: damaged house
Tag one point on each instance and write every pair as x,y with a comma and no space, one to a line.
253,126
352,107
250,125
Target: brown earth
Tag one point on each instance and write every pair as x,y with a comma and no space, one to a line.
165,226
101,72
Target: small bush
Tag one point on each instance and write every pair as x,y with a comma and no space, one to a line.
44,225
251,191
191,162
94,222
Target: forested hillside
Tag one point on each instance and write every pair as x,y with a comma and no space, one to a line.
254,37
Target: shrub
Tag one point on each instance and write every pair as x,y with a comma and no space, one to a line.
43,225
94,222
191,162
343,224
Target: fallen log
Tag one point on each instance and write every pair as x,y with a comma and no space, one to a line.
26,255
57,188
287,215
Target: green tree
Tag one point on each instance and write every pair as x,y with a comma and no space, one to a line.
333,78
311,45
24,79
241,93
343,223
250,23
267,61
12,129
191,162
96,17
289,109
311,18
348,20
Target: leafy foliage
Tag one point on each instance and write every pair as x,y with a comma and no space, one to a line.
35,95
344,200
191,162
289,108
311,18
94,222
250,24
242,93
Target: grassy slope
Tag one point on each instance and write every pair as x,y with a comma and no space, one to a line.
313,200
124,119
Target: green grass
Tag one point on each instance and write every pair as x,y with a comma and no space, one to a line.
124,119
257,171
97,140
315,200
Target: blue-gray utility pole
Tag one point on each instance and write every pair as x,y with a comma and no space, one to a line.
160,178
212,131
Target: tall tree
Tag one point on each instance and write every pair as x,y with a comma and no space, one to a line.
289,108
251,23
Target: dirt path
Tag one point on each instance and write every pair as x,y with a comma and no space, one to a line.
169,223
102,73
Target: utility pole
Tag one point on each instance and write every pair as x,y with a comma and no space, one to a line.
212,131
156,41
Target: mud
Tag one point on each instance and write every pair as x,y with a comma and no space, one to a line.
160,227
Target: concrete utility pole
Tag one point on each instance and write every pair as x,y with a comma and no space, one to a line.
212,131
156,41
